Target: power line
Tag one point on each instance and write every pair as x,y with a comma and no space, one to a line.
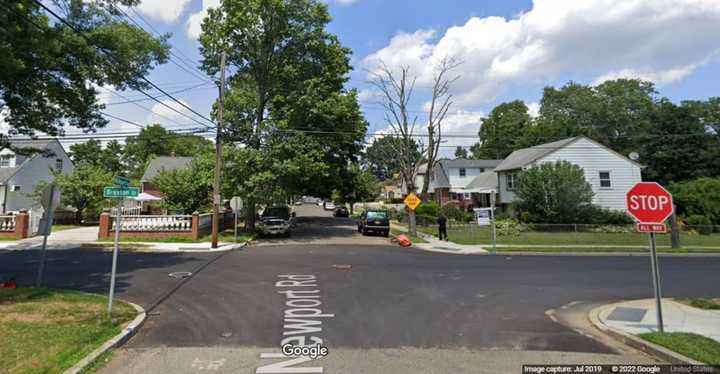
148,81
130,100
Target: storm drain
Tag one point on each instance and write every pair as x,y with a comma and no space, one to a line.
180,274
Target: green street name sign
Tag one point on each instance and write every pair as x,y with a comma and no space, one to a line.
121,181
116,192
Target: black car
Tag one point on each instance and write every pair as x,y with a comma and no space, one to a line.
341,212
377,221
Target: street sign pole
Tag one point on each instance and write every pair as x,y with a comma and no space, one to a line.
47,225
492,218
115,255
656,281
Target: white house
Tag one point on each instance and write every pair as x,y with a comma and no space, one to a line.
19,174
609,173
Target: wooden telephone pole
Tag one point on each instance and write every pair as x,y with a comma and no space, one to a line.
218,157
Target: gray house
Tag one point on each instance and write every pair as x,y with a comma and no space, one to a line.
19,174
609,173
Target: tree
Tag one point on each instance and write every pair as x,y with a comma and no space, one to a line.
92,153
83,188
554,193
288,78
50,71
461,152
699,197
154,141
503,131
380,158
360,185
187,190
678,146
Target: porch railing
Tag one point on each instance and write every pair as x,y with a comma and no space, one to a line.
179,223
7,223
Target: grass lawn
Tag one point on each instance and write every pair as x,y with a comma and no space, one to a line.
227,236
571,249
65,227
48,331
694,346
701,302
414,239
477,235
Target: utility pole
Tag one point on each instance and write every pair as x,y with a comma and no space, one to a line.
218,157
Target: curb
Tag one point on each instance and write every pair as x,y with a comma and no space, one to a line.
152,247
636,342
114,342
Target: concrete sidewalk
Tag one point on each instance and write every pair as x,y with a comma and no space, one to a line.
639,316
86,237
436,245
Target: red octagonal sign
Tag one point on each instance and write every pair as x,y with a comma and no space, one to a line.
649,202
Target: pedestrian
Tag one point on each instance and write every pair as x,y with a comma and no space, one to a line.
442,227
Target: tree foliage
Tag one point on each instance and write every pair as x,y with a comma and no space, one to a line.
92,153
358,185
503,131
188,190
461,152
553,193
49,71
83,188
380,158
699,197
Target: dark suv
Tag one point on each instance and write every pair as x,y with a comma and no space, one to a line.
374,221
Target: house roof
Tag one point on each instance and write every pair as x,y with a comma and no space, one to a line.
164,163
525,156
485,181
20,160
467,163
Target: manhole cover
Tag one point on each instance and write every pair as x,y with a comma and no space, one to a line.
180,274
226,334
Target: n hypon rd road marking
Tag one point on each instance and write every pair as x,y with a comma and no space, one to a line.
302,323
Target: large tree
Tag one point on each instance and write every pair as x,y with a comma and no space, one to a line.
288,76
50,70
187,190
154,141
360,186
380,157
83,188
503,131
93,153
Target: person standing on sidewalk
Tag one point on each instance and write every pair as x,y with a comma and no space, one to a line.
442,227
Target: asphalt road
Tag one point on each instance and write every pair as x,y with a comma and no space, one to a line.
394,308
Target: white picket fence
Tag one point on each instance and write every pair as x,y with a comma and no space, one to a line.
134,211
7,223
178,223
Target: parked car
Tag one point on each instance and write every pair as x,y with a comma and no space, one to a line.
276,220
299,202
341,212
377,221
329,205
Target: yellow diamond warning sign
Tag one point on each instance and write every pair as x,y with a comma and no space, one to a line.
412,200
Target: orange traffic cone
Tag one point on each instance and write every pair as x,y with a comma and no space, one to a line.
404,240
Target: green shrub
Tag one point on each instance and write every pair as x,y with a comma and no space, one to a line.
600,216
509,227
701,224
428,209
452,211
699,197
468,217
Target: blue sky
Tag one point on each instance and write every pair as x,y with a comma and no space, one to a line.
510,49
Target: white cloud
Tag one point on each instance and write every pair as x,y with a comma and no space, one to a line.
165,116
163,10
660,40
344,2
533,109
194,22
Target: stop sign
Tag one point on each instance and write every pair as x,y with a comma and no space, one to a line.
649,202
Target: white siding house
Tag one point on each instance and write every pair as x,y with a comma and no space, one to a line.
610,174
19,174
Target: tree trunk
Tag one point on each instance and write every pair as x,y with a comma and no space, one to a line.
412,223
250,216
78,216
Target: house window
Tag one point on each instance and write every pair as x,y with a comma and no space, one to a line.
15,188
6,161
605,181
58,164
510,181
462,172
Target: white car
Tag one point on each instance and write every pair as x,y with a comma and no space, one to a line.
329,206
276,221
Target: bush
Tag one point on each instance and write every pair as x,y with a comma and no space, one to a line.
599,216
699,197
397,200
701,224
452,211
469,217
428,209
509,227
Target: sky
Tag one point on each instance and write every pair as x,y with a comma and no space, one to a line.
509,49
